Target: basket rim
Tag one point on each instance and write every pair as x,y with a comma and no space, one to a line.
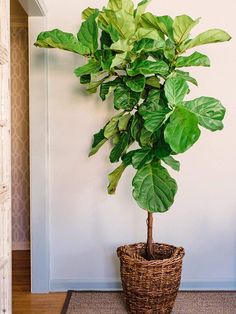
176,256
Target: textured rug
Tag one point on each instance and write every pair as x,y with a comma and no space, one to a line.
187,303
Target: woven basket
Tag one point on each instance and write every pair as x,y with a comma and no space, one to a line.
150,286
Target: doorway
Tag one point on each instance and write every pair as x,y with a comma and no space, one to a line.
20,127
20,167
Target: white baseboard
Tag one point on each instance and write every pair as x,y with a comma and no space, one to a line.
21,246
65,285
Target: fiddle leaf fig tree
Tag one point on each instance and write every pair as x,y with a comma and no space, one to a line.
138,59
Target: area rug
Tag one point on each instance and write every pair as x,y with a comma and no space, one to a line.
112,303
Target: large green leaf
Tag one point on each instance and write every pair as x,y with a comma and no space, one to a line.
87,12
140,10
153,114
148,45
59,39
98,140
121,20
119,59
154,189
124,98
184,75
162,23
154,118
148,33
195,59
208,37
182,131
148,67
114,178
170,161
119,148
141,157
175,90
135,83
92,67
209,111
88,33
182,26
117,5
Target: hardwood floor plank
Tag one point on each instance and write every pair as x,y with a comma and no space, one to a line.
23,301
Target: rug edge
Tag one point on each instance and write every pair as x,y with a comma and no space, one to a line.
67,301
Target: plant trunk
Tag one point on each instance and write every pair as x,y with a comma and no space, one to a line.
150,246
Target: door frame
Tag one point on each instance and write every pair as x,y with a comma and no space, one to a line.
38,124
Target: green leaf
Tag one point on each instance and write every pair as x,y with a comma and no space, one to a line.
87,12
92,67
136,126
119,59
117,5
182,26
151,111
121,45
135,83
147,33
112,127
98,140
175,90
93,86
170,161
121,20
123,122
114,178
141,9
88,33
170,50
208,37
107,58
58,39
195,59
105,40
161,23
108,87
145,138
119,148
124,98
141,157
154,117
184,75
153,81
182,130
85,79
209,111
165,23
154,189
148,45
127,158
146,67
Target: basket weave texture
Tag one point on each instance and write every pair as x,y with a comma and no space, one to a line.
150,287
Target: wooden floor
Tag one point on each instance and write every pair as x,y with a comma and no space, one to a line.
23,301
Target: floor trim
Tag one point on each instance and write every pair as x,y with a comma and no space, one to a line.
65,285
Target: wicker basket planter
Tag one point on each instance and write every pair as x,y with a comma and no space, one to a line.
150,286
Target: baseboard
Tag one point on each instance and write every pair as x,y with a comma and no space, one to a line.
20,246
81,285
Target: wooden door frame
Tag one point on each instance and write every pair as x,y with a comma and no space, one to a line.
38,124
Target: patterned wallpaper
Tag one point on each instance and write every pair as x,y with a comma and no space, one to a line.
20,136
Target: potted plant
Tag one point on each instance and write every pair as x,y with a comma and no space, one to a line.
138,58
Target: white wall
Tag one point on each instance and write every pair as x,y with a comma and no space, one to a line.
87,225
